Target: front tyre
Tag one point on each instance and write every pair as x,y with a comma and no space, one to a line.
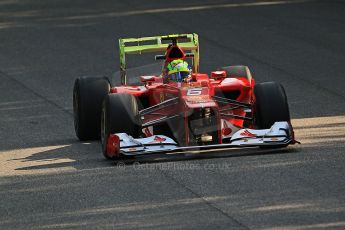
119,115
271,104
88,94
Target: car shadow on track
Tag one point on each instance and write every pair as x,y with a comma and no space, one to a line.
68,154
315,133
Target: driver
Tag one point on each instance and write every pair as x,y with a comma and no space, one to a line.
177,71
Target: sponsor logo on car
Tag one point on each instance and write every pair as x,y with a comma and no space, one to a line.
246,133
159,139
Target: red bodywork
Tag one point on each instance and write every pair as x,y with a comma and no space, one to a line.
192,97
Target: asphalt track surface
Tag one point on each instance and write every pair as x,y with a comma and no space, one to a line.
50,180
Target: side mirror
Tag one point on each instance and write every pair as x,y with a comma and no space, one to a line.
145,79
218,74
148,80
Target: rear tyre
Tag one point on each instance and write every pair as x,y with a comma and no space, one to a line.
119,115
271,104
88,94
238,71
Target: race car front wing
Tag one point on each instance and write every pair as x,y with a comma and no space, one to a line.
279,135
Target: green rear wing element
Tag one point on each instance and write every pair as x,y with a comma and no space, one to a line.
187,42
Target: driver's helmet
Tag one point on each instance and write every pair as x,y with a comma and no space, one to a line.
177,71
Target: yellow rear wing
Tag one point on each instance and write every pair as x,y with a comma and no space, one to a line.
141,45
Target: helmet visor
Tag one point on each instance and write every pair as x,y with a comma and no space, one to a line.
178,76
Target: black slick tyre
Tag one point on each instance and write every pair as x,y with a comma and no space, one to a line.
119,115
88,94
271,104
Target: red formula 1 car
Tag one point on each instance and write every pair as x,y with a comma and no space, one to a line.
225,109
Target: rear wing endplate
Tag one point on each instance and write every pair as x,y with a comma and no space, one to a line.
187,42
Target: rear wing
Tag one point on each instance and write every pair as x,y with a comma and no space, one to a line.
190,42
